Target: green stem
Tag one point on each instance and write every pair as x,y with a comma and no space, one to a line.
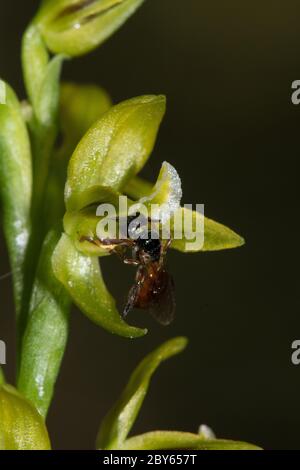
2,377
46,333
42,147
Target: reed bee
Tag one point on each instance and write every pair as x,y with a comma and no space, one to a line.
153,289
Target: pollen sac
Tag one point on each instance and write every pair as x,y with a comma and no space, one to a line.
75,27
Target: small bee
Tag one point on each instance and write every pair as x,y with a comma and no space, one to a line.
153,289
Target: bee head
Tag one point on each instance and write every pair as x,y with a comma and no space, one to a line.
150,247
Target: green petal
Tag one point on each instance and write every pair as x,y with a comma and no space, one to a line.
82,278
120,419
15,184
80,225
75,27
80,107
21,426
114,149
216,236
46,333
83,225
159,440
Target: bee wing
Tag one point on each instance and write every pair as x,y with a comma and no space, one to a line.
132,299
162,306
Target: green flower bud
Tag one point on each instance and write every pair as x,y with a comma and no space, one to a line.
75,27
21,426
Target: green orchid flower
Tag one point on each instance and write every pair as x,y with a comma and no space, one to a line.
65,152
103,167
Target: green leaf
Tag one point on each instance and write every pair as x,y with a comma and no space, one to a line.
75,27
216,236
159,440
114,149
46,333
15,185
21,426
82,278
120,419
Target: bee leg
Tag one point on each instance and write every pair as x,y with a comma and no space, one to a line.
94,241
164,249
121,254
115,241
166,246
107,241
132,262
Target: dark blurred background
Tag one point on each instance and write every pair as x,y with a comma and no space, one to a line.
233,135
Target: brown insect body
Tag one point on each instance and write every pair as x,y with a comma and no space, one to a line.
151,282
153,289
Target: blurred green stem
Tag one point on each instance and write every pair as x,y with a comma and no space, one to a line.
2,378
42,147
